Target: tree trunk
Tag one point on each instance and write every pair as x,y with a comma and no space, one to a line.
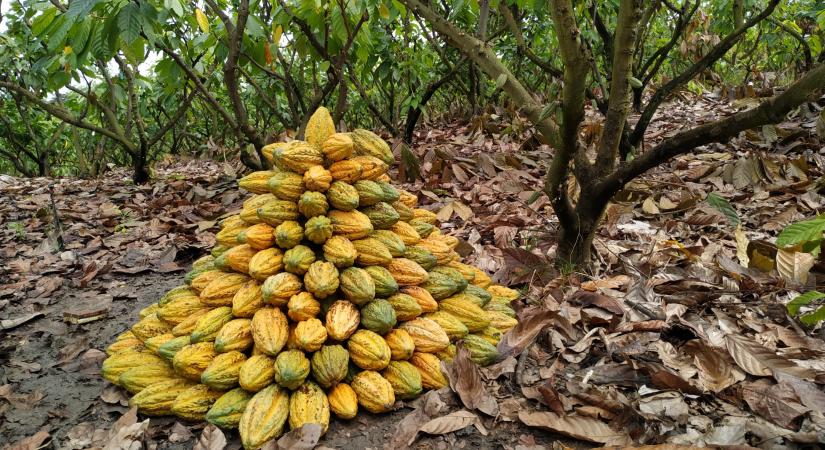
574,246
140,173
43,164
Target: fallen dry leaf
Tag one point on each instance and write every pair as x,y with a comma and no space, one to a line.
759,361
453,422
211,438
531,323
465,380
304,438
578,427
33,442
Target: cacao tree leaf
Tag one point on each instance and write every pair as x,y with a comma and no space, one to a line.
802,232
803,300
813,318
722,205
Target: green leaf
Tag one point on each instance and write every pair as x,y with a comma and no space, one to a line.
813,318
80,8
383,11
41,22
802,232
722,205
129,23
547,111
135,51
803,300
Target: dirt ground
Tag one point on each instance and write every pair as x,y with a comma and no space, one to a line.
55,368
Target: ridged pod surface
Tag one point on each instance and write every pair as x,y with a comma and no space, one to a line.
219,292
342,320
319,127
310,335
350,224
374,392
157,399
400,343
279,288
191,360
303,306
208,325
429,367
385,284
343,402
248,299
340,251
309,404
404,378
264,416
235,335
194,402
427,335
266,263
357,285
291,369
222,372
288,234
338,146
137,378
422,296
329,365
257,373
269,330
227,410
321,279
368,350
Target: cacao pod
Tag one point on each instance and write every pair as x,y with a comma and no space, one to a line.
400,343
404,378
318,229
371,167
169,348
316,178
350,224
289,234
342,320
454,328
321,279
407,272
158,398
340,251
329,365
369,192
309,404
337,147
264,416
405,306
427,335
374,392
368,350
303,306
298,156
259,236
385,284
140,377
378,316
248,299
368,143
313,204
298,259
343,196
357,285
481,351
221,290
406,232
291,369
319,127
371,252
276,212
381,215
472,316
222,372
193,403
236,258
422,296
347,170
150,326
429,367
269,330
227,410
208,325
257,373
310,335
236,335
255,182
279,288
343,401
191,360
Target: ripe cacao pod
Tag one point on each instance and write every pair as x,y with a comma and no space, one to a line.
264,416
289,234
429,367
357,285
222,372
407,198
454,328
371,167
350,224
278,288
140,377
150,326
270,330
309,404
406,232
504,292
276,212
423,229
158,398
298,156
201,280
257,373
340,251
153,343
319,127
329,365
491,334
316,178
343,401
368,143
208,325
343,196
482,279
248,299
422,296
374,392
303,306
236,335
191,360
116,365
259,236
425,216
321,279
318,229
255,182
338,146
407,272
310,335
368,350
400,343
291,369
236,258
266,263
188,325
499,304
342,320
313,204
371,252
227,410
347,170
178,309
221,290
298,259
427,335
127,345
404,213
472,316
193,403
443,253
479,293
501,321
448,354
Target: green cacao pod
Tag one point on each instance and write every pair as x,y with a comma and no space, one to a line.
404,378
371,252
369,192
382,215
329,365
368,143
405,306
357,285
227,410
385,284
276,212
343,196
318,229
298,259
378,316
392,241
481,351
313,204
291,369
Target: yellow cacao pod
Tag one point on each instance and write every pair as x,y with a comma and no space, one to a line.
350,224
181,307
321,279
298,259
371,167
264,417
221,290
157,399
257,373
286,186
318,229
191,360
298,156
316,178
340,251
343,401
454,328
248,299
374,392
427,335
407,272
236,335
289,234
348,171
255,182
368,143
115,366
138,378
309,404
303,306
278,288
222,372
368,350
400,343
150,326
236,258
429,367
338,146
319,127
208,325
470,314
193,403
342,320
291,369
406,232
227,410
371,252
422,296
259,236
269,330
310,335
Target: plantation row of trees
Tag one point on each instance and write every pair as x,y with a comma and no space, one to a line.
90,82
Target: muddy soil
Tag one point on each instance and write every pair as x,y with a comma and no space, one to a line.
50,370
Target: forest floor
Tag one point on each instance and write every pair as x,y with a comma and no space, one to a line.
678,335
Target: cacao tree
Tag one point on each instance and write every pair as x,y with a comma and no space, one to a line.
609,84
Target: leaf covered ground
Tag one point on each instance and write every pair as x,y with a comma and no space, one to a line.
679,334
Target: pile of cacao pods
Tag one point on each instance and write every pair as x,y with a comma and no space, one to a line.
329,291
